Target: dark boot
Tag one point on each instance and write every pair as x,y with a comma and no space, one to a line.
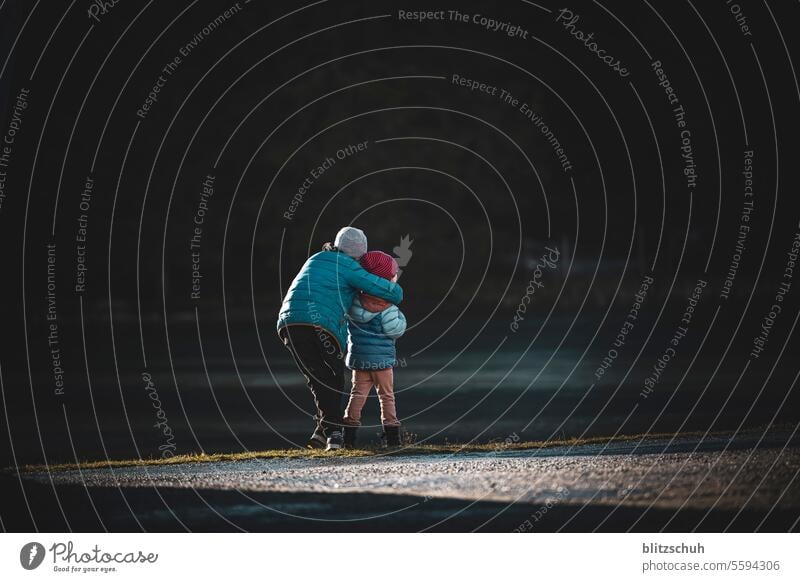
318,440
350,436
391,435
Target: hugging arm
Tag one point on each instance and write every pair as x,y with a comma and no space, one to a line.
374,285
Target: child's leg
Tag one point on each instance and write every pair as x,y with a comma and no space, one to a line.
362,384
384,382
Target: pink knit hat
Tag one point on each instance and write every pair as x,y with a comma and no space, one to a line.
380,264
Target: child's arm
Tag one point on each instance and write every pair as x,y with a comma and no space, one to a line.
393,322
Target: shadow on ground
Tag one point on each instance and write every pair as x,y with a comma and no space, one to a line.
214,511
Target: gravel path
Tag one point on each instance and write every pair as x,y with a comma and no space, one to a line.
633,474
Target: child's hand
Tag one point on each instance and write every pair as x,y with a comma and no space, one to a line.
373,304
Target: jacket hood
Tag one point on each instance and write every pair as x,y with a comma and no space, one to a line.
360,315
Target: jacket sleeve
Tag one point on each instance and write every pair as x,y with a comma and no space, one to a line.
393,322
357,313
364,281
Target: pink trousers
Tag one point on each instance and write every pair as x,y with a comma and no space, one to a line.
363,381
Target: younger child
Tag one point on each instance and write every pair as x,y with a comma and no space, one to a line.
373,326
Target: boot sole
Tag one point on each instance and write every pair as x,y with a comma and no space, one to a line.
316,444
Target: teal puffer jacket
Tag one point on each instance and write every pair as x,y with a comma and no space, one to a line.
370,343
323,291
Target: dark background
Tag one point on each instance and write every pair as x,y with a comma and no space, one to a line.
274,101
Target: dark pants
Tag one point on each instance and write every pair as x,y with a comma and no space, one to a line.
317,356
